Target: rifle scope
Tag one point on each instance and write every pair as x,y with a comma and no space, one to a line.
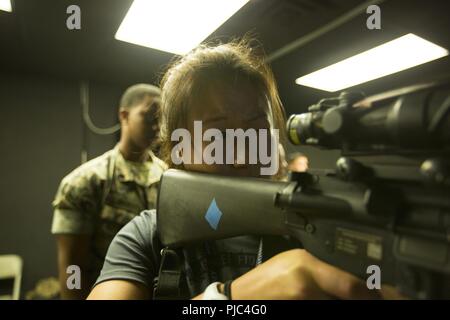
412,118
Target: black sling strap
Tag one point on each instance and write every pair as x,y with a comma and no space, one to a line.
167,286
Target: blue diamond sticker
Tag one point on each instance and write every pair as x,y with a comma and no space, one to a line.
213,214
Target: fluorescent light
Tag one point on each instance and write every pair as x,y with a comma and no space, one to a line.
175,26
5,5
399,54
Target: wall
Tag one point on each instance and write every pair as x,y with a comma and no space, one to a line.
41,141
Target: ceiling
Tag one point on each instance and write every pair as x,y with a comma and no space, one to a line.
34,39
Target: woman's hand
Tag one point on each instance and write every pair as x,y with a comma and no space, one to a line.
296,274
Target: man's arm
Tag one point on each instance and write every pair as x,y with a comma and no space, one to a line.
73,250
75,207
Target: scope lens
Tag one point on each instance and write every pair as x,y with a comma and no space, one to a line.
298,128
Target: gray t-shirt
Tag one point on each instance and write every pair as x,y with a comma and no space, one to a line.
134,254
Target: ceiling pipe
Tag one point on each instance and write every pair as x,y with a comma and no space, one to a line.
300,42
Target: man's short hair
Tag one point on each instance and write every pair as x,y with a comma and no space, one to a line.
136,93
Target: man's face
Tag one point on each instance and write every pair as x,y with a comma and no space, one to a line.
142,122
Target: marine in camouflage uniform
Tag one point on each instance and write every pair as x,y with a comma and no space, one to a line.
101,196
98,198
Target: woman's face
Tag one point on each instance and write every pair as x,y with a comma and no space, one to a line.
224,108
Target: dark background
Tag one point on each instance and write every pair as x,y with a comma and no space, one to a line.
42,64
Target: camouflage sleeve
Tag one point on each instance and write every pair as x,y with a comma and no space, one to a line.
76,204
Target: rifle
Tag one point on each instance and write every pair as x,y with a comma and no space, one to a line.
387,202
